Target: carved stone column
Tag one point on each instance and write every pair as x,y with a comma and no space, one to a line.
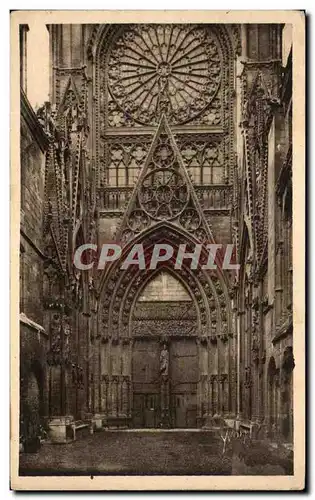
165,402
125,396
286,388
204,377
224,393
115,403
248,390
58,358
165,387
199,384
214,394
106,386
255,359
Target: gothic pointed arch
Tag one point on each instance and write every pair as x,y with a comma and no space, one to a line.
122,324
118,287
163,149
70,98
163,304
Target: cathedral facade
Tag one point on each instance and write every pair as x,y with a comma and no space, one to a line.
157,134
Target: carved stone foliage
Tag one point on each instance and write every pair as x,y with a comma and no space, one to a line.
155,328
165,310
255,347
155,69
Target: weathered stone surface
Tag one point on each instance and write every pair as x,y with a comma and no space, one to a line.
99,167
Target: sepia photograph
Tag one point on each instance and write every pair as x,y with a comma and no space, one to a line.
158,320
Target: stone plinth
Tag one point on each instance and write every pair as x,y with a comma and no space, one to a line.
61,429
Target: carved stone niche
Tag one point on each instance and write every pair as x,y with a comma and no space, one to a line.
213,338
212,304
248,377
288,362
255,303
265,303
224,336
255,348
223,378
125,340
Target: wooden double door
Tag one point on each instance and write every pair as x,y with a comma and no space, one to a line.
181,383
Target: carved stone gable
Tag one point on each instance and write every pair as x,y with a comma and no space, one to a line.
163,192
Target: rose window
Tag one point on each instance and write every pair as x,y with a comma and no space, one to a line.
171,69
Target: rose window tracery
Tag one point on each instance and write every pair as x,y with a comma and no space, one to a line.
163,194
163,155
171,69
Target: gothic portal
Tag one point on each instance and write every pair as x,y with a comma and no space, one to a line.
159,134
166,139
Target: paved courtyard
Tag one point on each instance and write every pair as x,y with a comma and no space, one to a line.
133,452
176,452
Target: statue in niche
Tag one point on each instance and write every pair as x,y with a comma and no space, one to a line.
164,362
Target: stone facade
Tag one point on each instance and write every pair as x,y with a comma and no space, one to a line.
160,134
33,336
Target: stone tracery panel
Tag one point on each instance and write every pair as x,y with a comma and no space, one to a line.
124,161
207,55
204,161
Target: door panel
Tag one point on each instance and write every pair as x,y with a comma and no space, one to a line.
152,411
146,410
183,379
146,383
138,410
184,410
